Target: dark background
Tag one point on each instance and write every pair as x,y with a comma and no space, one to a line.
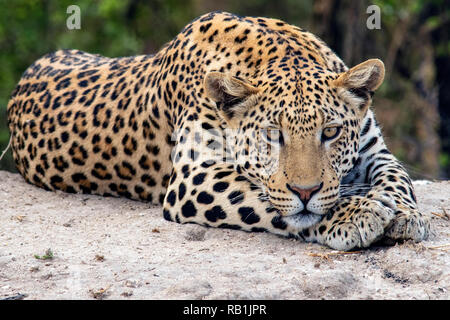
413,104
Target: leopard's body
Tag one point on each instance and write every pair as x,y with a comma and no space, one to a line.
157,128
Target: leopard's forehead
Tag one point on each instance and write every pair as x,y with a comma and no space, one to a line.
302,99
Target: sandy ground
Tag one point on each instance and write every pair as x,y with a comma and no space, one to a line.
108,248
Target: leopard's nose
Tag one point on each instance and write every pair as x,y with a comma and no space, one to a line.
304,192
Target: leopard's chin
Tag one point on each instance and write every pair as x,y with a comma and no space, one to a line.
303,219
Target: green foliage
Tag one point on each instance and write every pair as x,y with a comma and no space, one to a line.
47,256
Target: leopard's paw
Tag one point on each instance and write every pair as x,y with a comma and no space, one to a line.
408,225
361,222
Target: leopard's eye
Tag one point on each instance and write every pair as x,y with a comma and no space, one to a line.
330,133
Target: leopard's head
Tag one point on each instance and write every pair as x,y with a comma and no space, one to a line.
296,131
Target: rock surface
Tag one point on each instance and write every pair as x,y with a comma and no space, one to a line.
110,248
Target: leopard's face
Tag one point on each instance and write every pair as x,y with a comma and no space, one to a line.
301,151
296,138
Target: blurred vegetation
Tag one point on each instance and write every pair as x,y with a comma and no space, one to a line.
412,105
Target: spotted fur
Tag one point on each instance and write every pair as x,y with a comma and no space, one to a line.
306,157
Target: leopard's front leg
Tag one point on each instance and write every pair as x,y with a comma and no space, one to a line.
354,222
387,178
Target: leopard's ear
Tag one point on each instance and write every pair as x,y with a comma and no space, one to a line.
368,75
358,84
230,93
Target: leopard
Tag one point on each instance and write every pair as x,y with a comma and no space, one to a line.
239,122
